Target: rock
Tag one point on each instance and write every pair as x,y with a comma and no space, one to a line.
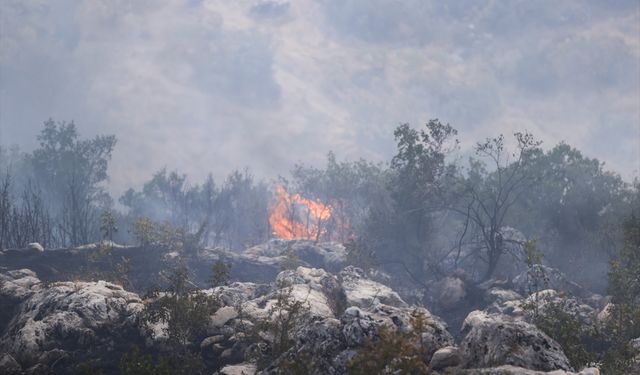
449,356
450,292
548,300
18,285
493,339
35,247
553,279
328,255
359,326
363,292
38,369
223,315
66,318
9,366
605,314
211,340
515,370
500,296
241,369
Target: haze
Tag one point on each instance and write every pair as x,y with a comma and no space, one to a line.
204,86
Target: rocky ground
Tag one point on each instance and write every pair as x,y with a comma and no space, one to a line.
49,325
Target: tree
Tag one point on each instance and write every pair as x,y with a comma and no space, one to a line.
488,196
71,171
108,225
349,188
401,224
575,210
624,287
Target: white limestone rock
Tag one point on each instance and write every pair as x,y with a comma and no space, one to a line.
494,339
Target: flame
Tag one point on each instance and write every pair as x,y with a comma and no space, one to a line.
294,217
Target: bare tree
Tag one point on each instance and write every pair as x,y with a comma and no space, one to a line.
490,195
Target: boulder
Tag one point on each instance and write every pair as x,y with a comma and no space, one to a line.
551,279
9,366
450,292
494,339
330,256
515,370
35,246
66,319
241,369
223,315
363,292
449,356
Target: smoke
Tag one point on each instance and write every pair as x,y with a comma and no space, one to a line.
209,86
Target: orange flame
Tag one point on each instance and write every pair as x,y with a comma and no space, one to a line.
293,217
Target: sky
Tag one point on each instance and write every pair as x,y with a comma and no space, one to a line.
209,86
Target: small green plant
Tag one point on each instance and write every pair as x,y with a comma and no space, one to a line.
144,231
284,316
394,352
108,225
359,254
220,274
137,363
623,323
564,326
182,307
290,260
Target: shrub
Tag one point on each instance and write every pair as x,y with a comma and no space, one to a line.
220,274
394,352
284,316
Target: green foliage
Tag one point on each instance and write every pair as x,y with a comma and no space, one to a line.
144,231
88,368
284,316
136,363
233,214
623,324
108,225
576,209
359,253
532,255
220,274
182,307
488,196
401,225
394,352
349,187
567,329
165,236
71,172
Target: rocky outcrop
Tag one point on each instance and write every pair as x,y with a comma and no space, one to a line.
540,277
364,292
493,340
65,322
330,256
54,326
446,357
342,313
450,292
515,370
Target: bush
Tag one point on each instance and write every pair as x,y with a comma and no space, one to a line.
284,316
183,308
220,274
623,324
136,363
394,352
566,328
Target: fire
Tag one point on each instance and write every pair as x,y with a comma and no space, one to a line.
294,217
